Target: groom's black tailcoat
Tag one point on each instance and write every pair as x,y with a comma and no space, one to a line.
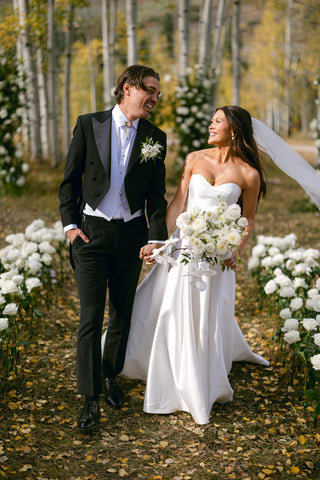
111,258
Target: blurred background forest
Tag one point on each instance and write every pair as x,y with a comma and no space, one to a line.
61,58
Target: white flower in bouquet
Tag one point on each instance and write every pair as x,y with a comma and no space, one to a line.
4,324
315,360
316,339
290,324
292,337
2,299
232,212
296,303
285,313
32,282
270,287
10,309
310,324
287,292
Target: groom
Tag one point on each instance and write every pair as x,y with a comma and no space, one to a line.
112,204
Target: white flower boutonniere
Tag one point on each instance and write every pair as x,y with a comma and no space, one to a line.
150,150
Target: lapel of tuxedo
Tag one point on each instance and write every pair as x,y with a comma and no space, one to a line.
143,132
102,134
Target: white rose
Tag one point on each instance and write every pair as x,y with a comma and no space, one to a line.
283,281
242,222
310,323
9,287
296,303
290,324
287,292
32,283
270,287
10,309
285,313
45,247
299,282
290,264
258,250
253,263
233,212
292,337
315,360
316,339
3,324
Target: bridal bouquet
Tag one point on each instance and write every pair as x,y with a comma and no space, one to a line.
208,237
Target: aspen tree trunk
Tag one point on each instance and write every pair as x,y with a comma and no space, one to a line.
218,42
108,39
32,94
67,77
23,101
236,52
204,33
183,27
54,144
287,70
131,16
317,162
218,35
43,101
92,73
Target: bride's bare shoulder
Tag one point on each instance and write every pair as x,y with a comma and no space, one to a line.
199,155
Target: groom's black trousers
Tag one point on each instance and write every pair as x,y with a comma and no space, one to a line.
110,259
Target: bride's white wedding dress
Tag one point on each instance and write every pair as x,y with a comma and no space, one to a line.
183,341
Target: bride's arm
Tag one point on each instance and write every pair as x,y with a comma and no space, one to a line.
250,198
177,206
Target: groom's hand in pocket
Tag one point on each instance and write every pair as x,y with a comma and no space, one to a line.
76,232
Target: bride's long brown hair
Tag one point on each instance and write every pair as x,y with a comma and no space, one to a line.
244,144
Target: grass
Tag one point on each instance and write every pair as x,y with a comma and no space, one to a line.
266,433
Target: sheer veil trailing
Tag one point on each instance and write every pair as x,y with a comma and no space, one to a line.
288,160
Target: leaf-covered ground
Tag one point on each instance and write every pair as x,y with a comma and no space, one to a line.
267,432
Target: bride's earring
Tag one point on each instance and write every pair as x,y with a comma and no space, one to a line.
232,137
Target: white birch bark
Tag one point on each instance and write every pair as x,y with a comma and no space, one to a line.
67,77
43,102
218,44
183,27
131,16
92,74
54,144
287,68
204,33
31,83
236,52
109,11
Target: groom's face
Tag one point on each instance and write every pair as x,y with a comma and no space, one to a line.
138,102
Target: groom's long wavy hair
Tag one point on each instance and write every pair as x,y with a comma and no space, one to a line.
244,144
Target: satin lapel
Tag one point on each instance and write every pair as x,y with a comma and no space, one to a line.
102,135
142,134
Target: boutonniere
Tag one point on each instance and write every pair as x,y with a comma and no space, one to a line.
150,150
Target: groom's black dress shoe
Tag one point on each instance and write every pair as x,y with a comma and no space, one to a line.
113,394
89,416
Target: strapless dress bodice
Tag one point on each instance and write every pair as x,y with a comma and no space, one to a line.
204,195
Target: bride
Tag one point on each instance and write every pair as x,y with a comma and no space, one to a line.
183,341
